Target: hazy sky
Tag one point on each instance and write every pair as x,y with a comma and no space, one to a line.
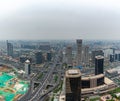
59,19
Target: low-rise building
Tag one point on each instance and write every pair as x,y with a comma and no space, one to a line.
111,72
106,97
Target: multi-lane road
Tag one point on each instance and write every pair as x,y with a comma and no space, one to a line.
43,86
48,70
39,94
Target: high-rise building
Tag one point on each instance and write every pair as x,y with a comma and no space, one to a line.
49,56
111,58
9,49
86,55
118,57
96,53
73,85
44,46
79,51
114,57
69,55
39,57
64,55
99,65
27,67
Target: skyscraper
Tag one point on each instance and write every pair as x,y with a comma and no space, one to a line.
96,53
69,55
49,56
111,58
73,85
39,57
86,55
9,49
27,67
99,67
79,51
116,57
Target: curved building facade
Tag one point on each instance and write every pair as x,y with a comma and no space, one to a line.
92,81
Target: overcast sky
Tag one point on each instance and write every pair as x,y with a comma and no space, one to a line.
59,19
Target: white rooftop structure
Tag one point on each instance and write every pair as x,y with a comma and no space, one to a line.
27,61
72,72
99,57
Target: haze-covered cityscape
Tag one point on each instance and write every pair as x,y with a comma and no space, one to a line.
60,50
59,70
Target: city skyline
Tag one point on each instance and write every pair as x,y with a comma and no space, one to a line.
61,19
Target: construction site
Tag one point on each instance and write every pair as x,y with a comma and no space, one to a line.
11,86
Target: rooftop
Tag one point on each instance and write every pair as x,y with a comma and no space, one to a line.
93,77
73,73
27,61
99,57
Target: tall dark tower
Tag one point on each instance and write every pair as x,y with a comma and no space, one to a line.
96,53
69,55
73,85
79,51
86,55
99,67
49,56
9,49
39,57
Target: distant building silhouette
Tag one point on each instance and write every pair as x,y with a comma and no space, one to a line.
9,49
79,51
69,55
49,56
85,57
111,58
39,57
44,46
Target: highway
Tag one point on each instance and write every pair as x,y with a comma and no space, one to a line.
31,94
39,93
